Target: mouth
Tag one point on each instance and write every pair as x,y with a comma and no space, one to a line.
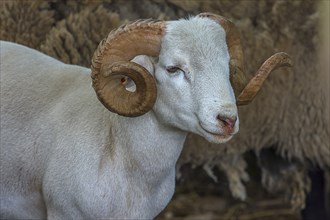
218,135
215,133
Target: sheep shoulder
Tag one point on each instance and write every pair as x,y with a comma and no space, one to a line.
40,95
46,122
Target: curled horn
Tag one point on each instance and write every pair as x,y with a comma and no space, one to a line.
111,64
245,92
252,88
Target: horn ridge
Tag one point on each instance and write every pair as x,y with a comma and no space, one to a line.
141,37
277,60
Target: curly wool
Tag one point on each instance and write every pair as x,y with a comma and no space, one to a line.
25,22
74,39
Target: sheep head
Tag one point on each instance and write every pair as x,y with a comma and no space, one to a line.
181,54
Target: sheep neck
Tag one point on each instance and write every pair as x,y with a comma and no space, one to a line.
147,146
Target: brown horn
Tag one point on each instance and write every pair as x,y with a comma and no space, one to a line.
245,92
251,89
236,63
111,63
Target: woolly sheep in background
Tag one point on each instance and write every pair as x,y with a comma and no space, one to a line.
265,29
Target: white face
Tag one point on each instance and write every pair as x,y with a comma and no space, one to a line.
192,75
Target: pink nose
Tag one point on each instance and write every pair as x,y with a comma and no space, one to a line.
227,121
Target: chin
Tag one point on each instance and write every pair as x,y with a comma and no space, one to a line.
217,139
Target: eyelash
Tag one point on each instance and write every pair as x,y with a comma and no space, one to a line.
173,69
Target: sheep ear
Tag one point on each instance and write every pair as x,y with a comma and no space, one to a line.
144,61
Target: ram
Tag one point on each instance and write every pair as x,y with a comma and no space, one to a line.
64,155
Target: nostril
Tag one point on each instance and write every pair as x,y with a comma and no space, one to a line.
227,121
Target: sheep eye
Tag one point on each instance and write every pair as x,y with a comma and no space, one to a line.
173,69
